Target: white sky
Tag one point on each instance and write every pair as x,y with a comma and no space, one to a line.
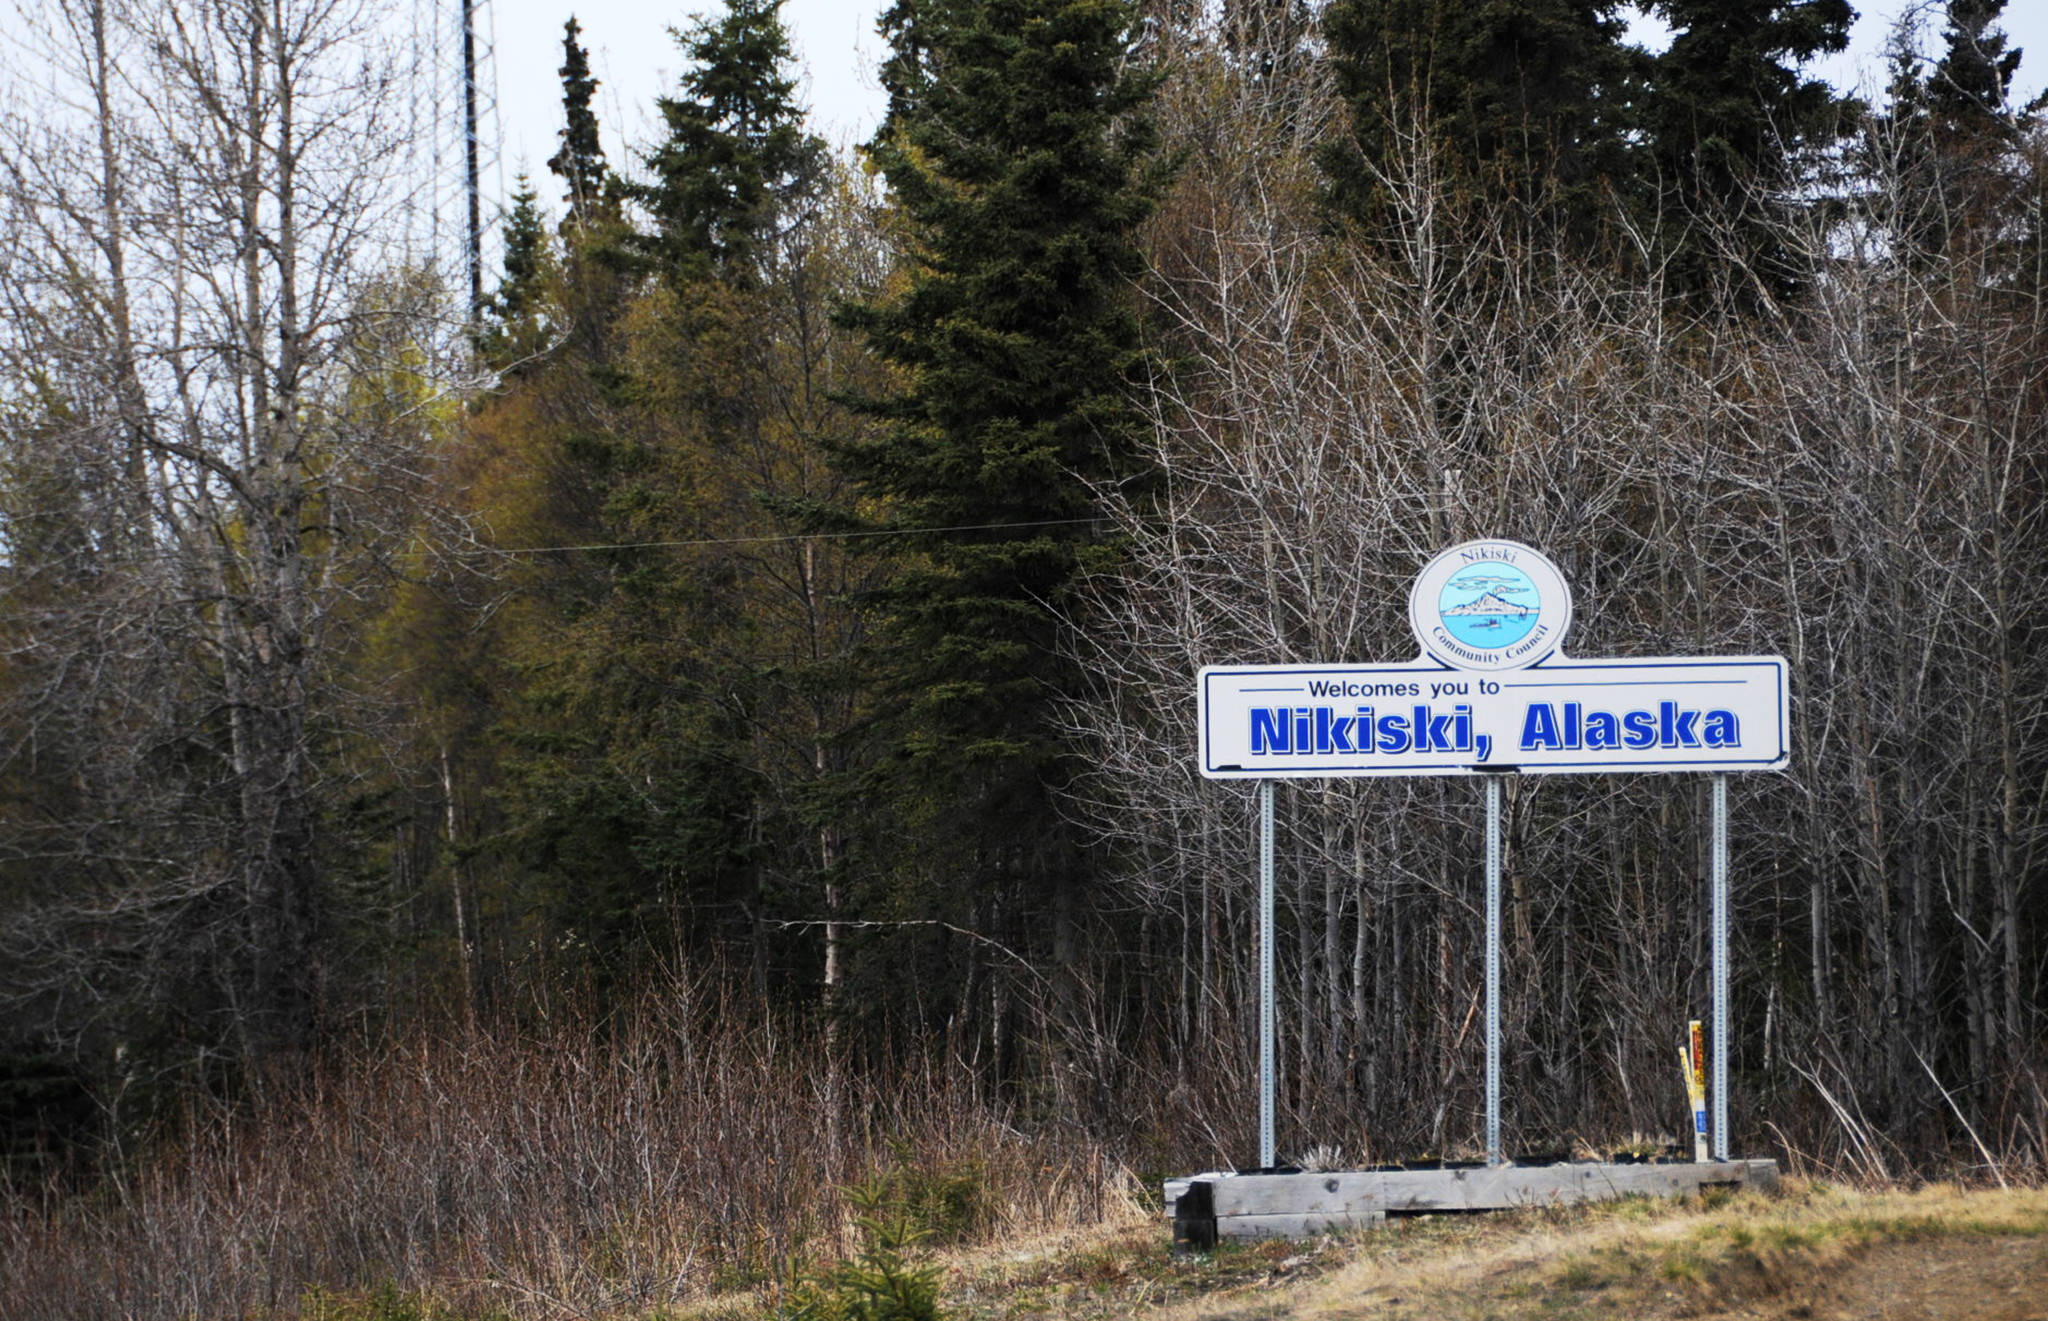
636,60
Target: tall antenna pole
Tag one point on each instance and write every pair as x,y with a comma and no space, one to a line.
476,222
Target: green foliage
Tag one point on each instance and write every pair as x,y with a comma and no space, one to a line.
1945,142
947,1202
1972,84
1530,100
736,164
580,160
1541,105
1729,118
1018,151
1016,147
526,255
878,1283
666,696
516,328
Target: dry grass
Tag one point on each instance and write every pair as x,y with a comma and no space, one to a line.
687,1160
1748,1254
1639,1258
560,1167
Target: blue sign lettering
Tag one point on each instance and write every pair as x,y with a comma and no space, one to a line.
1326,731
1549,727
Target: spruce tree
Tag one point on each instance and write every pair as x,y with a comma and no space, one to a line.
736,161
515,328
1526,100
519,292
594,230
1971,87
1729,117
687,694
1945,140
580,160
1015,148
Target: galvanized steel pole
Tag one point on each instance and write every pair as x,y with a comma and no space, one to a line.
1493,1152
1266,1161
1720,904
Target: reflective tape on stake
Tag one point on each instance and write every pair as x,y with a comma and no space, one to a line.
1694,1056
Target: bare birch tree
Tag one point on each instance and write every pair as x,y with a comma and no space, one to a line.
1852,482
217,365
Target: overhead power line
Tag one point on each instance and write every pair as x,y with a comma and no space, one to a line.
786,537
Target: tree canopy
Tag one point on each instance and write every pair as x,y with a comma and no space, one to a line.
790,593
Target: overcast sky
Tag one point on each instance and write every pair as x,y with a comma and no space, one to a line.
636,60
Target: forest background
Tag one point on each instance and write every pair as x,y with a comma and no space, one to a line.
726,696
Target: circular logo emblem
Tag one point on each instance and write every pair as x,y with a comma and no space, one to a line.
1489,605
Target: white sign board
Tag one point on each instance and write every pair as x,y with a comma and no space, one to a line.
1493,692
1562,717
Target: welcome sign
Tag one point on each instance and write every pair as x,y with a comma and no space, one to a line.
1492,693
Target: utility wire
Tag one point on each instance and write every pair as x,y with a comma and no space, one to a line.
795,536
165,556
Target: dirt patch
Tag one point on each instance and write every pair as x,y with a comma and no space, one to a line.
1952,1279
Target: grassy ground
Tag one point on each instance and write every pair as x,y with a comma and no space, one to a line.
1813,1251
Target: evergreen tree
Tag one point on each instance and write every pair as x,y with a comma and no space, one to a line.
519,292
1015,146
736,163
1729,116
1944,142
580,161
1970,91
516,328
1522,99
595,233
680,682
662,672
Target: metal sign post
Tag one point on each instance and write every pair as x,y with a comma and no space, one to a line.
1493,694
1266,1160
1493,1152
1719,868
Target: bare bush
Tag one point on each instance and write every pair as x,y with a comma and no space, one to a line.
1852,482
222,386
560,1164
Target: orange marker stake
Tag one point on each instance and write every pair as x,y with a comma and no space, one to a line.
1695,1062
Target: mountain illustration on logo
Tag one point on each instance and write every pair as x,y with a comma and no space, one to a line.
1489,604
1489,607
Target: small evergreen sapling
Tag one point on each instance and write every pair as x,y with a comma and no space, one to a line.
878,1284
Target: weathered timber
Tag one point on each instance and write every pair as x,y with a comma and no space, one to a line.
1297,1226
1208,1207
1176,1187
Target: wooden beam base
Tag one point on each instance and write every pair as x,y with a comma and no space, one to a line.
1208,1207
